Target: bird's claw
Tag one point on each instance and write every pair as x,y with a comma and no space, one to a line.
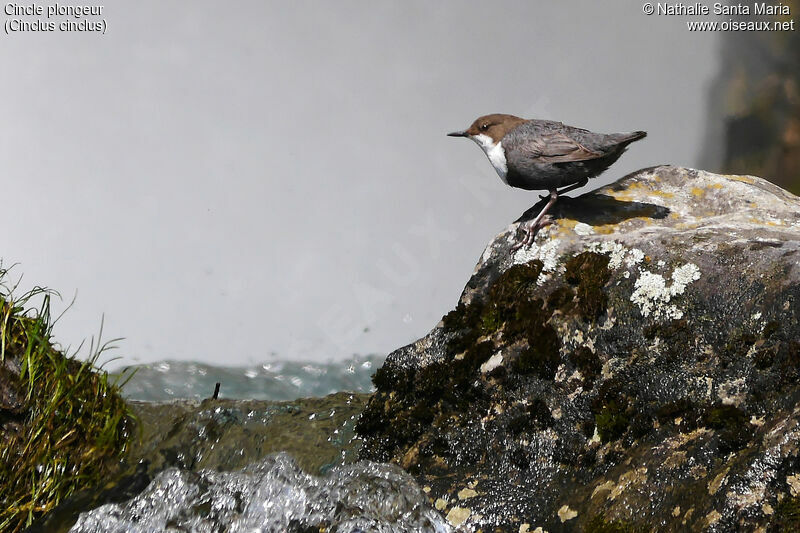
530,232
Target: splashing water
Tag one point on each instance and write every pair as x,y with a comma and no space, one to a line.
272,495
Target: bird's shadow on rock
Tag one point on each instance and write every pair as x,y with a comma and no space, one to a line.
597,209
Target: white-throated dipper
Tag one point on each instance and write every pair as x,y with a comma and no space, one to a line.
544,154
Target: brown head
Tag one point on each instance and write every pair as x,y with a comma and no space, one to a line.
494,126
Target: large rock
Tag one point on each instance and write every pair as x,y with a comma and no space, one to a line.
636,369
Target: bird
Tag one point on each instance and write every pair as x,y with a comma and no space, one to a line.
535,154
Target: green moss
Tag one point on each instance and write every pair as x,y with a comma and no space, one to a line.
510,306
490,321
738,344
480,318
462,317
455,384
464,324
787,515
589,271
514,283
587,362
440,387
790,357
388,378
731,424
542,357
511,313
612,410
72,427
666,331
561,298
611,421
599,524
770,328
534,417
681,408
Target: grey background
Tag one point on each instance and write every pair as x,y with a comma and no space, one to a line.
231,182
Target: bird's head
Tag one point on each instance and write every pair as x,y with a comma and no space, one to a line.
489,129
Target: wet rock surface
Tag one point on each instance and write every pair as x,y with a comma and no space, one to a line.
635,370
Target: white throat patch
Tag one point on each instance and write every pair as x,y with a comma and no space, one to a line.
495,153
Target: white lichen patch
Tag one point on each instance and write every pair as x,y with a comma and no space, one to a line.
652,294
634,257
683,276
547,253
618,254
581,228
613,249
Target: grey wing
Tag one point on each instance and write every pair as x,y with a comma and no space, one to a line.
553,148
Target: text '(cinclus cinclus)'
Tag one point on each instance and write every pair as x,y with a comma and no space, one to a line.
543,154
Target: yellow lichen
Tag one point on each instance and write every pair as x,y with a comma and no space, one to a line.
565,513
608,486
743,179
465,494
716,483
458,515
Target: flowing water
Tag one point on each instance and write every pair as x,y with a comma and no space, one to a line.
274,380
271,494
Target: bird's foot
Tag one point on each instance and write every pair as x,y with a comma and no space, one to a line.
572,187
529,231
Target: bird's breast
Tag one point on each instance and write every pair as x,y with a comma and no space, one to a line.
496,154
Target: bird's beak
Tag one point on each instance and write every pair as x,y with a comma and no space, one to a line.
458,134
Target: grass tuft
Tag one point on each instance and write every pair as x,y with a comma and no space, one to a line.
66,426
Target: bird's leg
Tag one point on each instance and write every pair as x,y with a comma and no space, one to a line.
532,227
572,187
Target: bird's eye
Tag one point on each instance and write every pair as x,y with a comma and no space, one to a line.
484,127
